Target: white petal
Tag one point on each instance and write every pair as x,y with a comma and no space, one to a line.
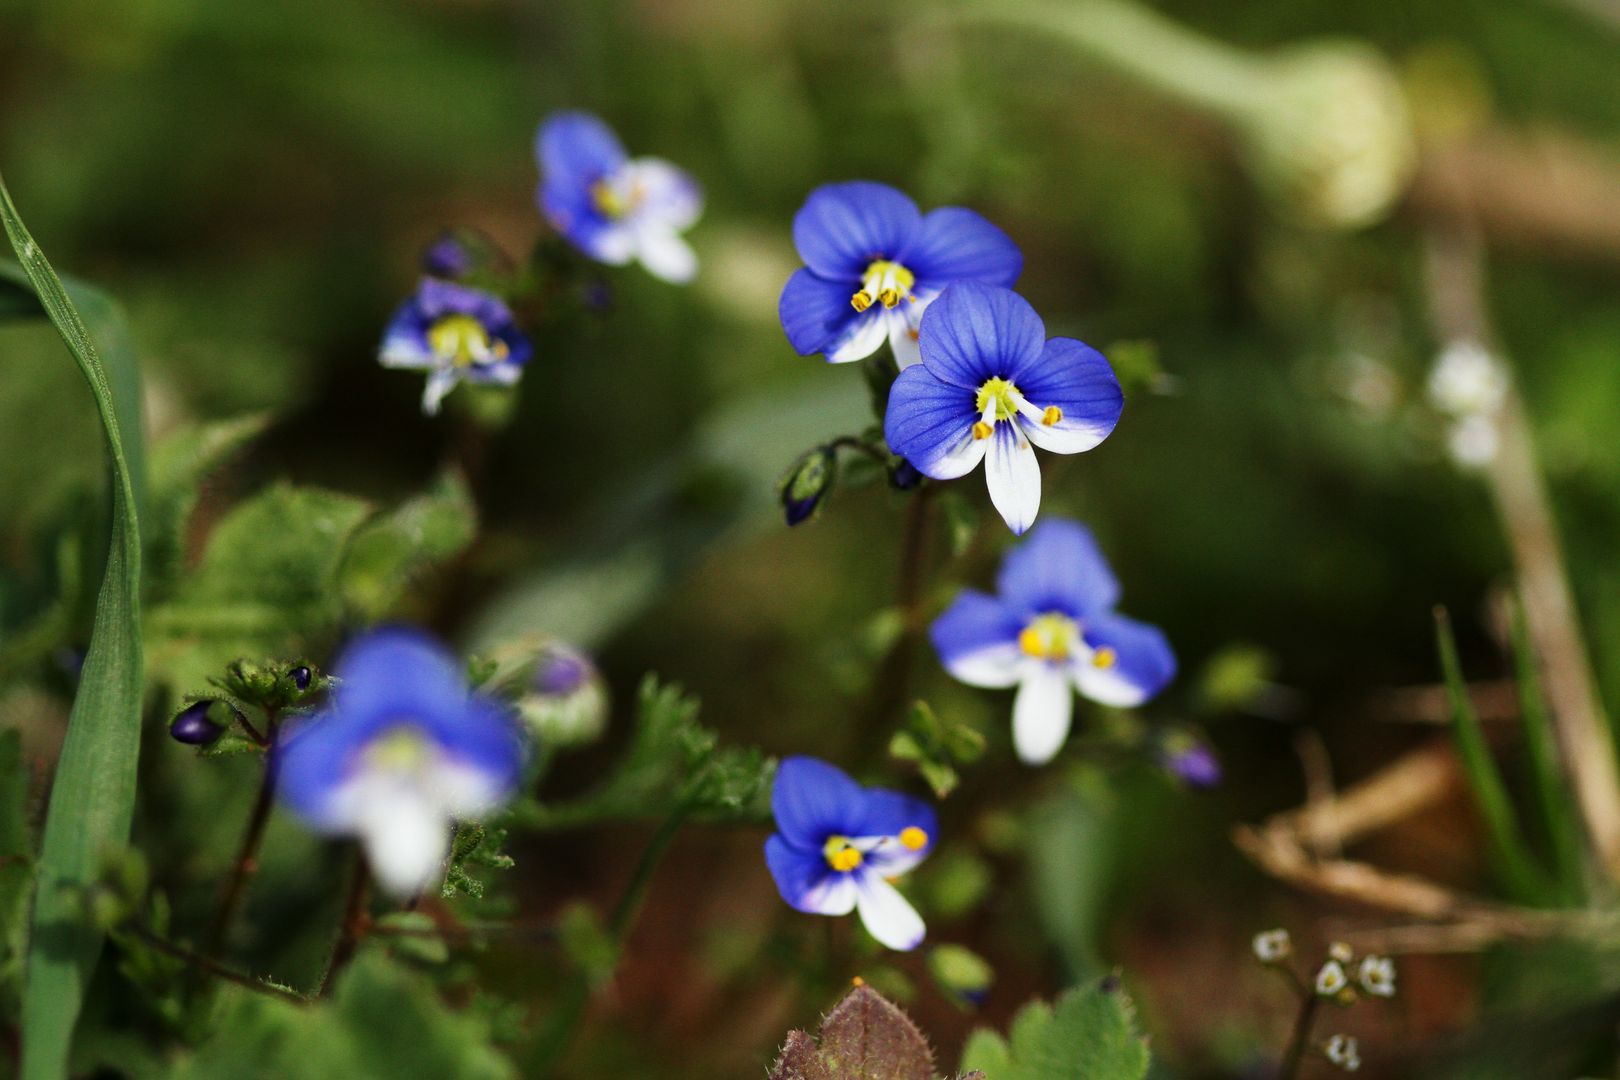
1013,476
665,255
664,192
406,838
862,340
1104,686
461,790
1041,713
902,322
1064,437
615,245
404,353
994,666
834,896
888,916
440,383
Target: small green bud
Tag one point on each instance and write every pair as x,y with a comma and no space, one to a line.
807,483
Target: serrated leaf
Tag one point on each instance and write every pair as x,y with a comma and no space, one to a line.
865,1037
1089,1035
93,792
180,464
389,553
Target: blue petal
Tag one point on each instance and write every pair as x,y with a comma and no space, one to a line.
577,148
438,298
956,244
974,621
311,759
813,800
975,331
406,334
815,312
394,675
1143,659
927,421
487,737
890,813
805,880
573,213
1079,380
843,228
1058,568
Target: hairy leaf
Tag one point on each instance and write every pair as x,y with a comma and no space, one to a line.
863,1038
390,552
1090,1034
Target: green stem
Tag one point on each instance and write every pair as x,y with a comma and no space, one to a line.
352,928
892,682
213,967
247,861
1300,1039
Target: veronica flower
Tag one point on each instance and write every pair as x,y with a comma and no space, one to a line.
613,207
838,845
454,333
990,388
402,751
873,263
1051,631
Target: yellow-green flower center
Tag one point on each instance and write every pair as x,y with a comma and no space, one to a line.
1056,637
461,340
885,282
841,853
404,749
613,202
1000,392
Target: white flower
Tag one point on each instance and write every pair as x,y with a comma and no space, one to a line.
1377,976
1331,979
1344,1051
1273,946
1467,381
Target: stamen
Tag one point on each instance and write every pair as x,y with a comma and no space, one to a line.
1049,637
1104,658
890,297
861,300
846,859
982,430
1052,415
1029,641
913,838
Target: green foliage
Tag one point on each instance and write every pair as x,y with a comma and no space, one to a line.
16,864
388,555
181,463
478,847
863,1038
1090,1034
936,747
93,792
1559,821
589,945
672,763
383,1022
960,972
1234,678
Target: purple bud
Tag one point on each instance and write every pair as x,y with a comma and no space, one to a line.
1194,765
904,476
193,727
447,257
301,676
562,670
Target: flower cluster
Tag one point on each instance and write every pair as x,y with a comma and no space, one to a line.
609,206
1051,631
1470,386
402,751
1341,979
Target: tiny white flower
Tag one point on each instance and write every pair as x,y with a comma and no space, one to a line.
1341,952
1273,946
1377,976
1467,381
1473,441
1344,1051
1331,979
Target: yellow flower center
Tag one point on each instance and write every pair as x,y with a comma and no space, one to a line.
885,282
841,854
612,202
1000,393
1049,637
404,749
913,838
461,340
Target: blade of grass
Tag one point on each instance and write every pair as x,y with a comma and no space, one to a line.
1524,881
1551,783
93,792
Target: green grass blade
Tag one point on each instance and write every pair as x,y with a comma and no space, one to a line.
1523,879
93,792
1551,783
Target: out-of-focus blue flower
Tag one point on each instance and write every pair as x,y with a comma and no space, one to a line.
454,333
401,752
991,388
611,206
838,845
873,264
1052,630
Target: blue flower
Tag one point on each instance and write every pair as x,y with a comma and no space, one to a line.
1051,628
837,846
873,264
402,751
613,207
991,387
454,333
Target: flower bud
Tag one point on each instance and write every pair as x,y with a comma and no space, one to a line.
458,253
565,703
192,725
904,476
301,676
962,973
1188,760
807,483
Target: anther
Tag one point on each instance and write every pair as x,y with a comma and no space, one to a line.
1104,658
913,838
1052,415
861,300
982,430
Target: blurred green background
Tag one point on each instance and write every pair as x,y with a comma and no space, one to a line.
255,183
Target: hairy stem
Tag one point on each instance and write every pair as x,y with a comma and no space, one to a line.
892,683
353,927
247,861
212,967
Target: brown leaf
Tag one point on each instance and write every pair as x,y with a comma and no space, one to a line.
863,1038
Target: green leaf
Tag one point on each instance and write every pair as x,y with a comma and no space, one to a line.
863,1038
266,584
383,1021
1089,1035
1521,877
16,864
478,847
390,552
1559,819
93,792
180,463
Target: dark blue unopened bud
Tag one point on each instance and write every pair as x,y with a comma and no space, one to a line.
807,484
193,727
904,476
562,670
300,676
1192,763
